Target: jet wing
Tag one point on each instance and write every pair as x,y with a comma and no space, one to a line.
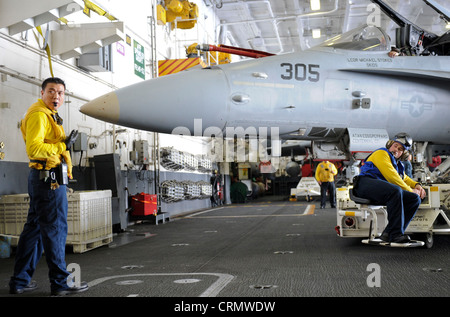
441,75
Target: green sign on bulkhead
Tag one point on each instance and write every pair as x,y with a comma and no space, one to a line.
139,60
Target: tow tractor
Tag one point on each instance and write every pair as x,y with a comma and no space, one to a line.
357,217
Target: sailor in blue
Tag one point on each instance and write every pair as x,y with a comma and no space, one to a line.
383,181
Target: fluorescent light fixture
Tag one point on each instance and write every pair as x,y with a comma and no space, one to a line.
315,5
316,33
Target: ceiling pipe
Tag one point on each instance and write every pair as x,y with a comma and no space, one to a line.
289,17
274,20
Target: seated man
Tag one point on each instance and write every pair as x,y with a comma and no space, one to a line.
383,181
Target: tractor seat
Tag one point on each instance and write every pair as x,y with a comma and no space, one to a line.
360,200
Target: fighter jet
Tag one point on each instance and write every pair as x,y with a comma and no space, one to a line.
349,83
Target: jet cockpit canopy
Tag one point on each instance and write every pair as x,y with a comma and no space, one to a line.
364,38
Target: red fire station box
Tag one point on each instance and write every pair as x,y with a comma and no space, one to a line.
144,204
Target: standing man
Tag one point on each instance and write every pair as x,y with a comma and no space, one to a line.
325,173
383,180
46,227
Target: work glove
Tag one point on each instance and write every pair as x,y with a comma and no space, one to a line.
70,140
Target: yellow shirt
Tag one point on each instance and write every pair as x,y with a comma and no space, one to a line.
325,172
44,139
383,162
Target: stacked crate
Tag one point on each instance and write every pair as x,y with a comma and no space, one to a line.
89,218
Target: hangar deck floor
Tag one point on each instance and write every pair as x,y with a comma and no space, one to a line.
270,248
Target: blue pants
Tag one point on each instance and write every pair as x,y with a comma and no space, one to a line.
401,204
45,229
331,188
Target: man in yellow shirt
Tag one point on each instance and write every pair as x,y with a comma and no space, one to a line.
46,228
383,180
325,173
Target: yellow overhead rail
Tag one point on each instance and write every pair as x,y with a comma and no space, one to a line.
89,5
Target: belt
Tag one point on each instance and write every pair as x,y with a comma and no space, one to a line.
43,163
56,175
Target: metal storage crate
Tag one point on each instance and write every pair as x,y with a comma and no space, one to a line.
89,218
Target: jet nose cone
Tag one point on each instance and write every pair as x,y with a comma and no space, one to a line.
105,108
166,103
